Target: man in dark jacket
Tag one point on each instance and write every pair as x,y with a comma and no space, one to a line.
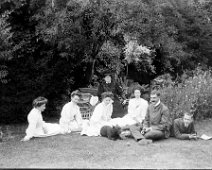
157,122
184,127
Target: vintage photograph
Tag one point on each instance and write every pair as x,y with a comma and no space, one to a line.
106,84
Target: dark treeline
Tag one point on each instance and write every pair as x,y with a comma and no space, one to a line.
52,47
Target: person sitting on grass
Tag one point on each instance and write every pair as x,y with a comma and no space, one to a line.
137,109
100,117
37,127
184,127
157,122
71,118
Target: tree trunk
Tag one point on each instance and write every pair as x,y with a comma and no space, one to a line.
92,70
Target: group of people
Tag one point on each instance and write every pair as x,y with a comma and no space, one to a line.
143,121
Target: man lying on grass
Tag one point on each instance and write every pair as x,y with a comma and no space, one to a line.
184,127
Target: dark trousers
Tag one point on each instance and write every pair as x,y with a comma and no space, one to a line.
153,134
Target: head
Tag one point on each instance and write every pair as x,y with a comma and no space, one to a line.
137,93
75,96
40,103
154,97
108,78
107,97
116,131
187,119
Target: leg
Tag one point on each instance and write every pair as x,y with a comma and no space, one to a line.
154,135
136,132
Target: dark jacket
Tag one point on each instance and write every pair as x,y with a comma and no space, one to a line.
182,132
159,118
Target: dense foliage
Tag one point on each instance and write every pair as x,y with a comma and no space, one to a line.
52,47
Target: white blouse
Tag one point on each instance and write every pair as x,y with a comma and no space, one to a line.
71,117
36,123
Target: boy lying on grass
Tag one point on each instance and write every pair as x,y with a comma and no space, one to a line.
184,127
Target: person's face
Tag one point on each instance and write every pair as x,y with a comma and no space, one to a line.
154,99
137,93
108,79
42,107
187,120
107,100
75,99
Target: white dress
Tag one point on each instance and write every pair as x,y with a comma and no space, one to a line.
137,110
71,118
38,128
101,116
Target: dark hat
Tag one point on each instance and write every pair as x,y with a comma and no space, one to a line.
107,73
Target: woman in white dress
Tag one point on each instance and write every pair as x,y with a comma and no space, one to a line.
137,109
37,127
101,116
71,118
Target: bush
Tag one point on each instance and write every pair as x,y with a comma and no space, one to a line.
193,95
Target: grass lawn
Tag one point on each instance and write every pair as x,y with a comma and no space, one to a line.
75,151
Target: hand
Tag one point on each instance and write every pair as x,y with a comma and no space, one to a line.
148,129
193,136
124,102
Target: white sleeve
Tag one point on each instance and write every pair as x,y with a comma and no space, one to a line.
131,107
32,120
64,120
97,114
79,117
144,109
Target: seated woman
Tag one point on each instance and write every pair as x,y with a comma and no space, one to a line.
137,110
37,127
101,116
71,118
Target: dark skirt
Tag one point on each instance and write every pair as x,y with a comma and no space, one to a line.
118,110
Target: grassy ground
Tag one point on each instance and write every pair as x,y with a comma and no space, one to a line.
75,151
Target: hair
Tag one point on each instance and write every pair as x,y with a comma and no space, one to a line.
137,88
107,94
39,101
188,114
75,93
153,92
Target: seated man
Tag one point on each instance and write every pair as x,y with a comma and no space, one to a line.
184,127
71,118
156,124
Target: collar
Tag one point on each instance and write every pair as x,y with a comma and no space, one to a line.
157,103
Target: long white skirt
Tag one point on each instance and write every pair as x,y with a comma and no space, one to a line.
52,129
122,122
93,129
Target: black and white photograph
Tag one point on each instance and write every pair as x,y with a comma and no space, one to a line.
105,84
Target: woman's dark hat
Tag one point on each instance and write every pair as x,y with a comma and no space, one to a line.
107,73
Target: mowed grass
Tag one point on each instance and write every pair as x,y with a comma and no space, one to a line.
75,151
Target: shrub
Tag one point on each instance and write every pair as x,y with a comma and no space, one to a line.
193,95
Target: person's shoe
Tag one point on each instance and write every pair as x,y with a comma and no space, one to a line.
144,141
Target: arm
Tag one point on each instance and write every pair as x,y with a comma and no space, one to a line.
130,109
165,121
65,118
32,120
192,128
79,117
178,134
143,111
147,119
